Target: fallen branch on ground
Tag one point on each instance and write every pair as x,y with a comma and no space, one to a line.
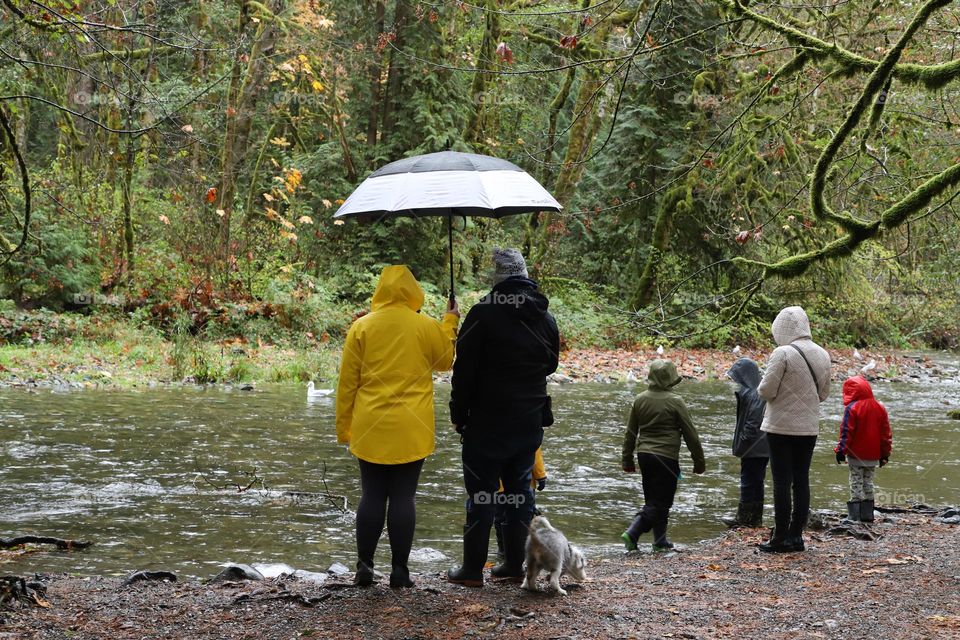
299,598
64,545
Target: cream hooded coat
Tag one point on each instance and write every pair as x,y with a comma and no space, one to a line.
385,395
793,399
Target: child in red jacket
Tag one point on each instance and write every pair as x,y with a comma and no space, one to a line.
865,444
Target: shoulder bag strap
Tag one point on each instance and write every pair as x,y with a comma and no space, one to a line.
812,374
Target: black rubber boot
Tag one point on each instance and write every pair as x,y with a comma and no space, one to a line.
853,511
754,515
514,551
400,577
739,520
660,542
498,529
776,544
476,537
794,541
637,528
364,575
866,510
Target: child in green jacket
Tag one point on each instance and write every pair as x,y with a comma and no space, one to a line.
658,420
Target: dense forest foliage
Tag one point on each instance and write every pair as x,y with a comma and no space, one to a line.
179,164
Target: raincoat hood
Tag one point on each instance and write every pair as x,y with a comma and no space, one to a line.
397,286
791,324
856,388
746,373
663,375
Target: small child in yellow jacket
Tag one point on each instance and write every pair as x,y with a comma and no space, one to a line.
538,482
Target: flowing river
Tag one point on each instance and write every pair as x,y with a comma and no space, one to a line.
152,476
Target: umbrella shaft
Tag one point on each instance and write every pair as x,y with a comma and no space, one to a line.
450,247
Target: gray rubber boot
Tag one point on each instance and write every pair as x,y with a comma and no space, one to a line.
853,511
866,511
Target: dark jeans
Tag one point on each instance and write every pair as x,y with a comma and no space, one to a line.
381,484
753,473
658,476
790,458
483,469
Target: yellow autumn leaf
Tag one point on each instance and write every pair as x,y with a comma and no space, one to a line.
305,220
268,197
280,142
317,86
273,215
286,224
289,235
221,212
164,219
327,203
338,222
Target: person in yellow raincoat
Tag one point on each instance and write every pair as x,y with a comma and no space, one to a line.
385,411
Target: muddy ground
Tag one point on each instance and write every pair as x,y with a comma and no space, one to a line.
904,585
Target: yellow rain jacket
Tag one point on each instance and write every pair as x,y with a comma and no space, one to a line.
385,394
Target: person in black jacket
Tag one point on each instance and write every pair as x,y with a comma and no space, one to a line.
508,345
749,444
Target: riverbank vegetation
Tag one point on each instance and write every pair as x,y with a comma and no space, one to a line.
169,171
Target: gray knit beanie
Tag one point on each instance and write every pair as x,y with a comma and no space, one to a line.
507,263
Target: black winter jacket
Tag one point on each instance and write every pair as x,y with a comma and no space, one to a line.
748,440
508,345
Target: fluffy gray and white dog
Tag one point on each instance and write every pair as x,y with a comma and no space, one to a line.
549,550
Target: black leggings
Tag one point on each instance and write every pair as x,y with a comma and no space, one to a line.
659,476
790,458
380,484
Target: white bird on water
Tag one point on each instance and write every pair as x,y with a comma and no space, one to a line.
736,350
856,355
659,349
870,366
313,392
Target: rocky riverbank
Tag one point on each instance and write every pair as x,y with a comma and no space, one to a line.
236,367
902,585
589,365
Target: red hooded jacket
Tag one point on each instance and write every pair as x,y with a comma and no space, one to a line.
865,429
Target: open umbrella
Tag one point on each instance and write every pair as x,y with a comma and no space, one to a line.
448,183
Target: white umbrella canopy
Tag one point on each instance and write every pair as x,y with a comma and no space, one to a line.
447,184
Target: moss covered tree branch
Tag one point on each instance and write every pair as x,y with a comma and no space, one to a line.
878,79
25,185
931,76
893,217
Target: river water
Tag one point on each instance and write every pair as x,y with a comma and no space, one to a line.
145,474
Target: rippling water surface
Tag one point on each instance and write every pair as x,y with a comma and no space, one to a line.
145,473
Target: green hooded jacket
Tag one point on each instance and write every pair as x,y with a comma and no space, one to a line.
659,418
